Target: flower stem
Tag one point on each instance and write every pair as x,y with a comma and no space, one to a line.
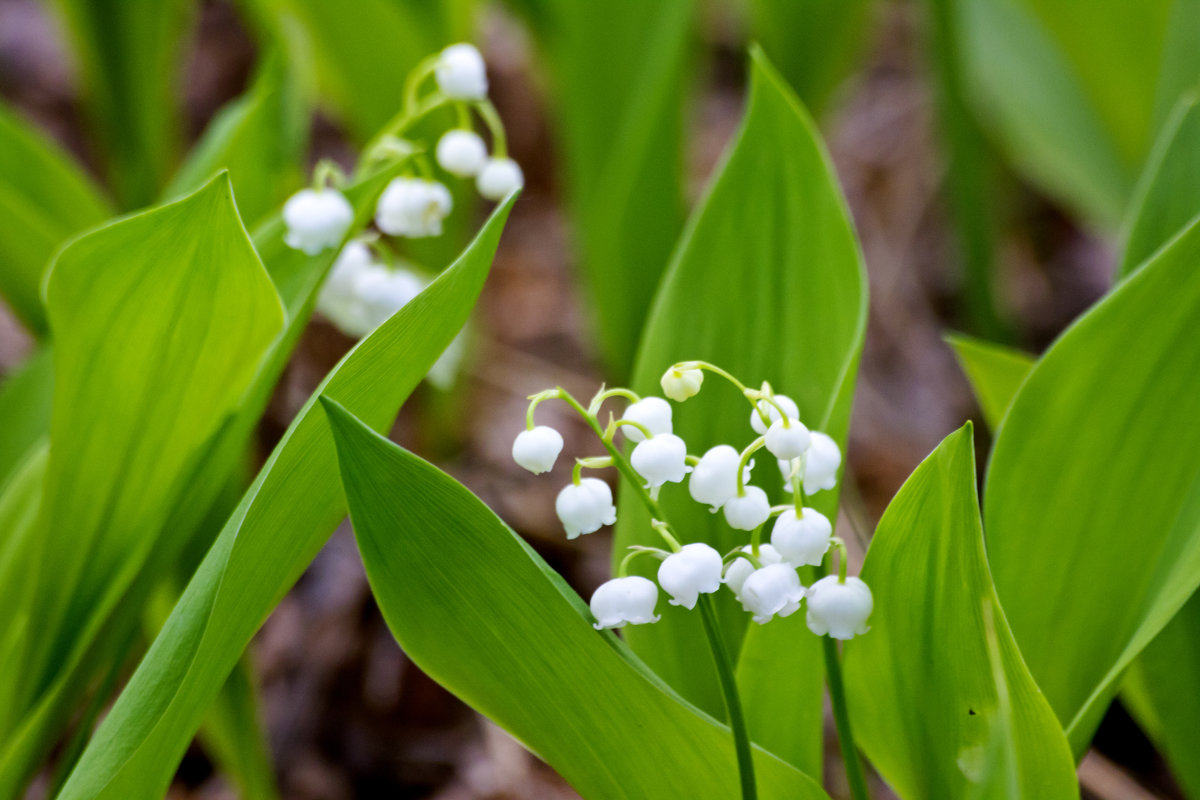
733,704
841,716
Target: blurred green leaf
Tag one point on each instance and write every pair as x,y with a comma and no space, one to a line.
25,397
44,199
923,698
128,54
1168,194
1098,448
486,617
994,371
767,282
259,138
283,520
617,71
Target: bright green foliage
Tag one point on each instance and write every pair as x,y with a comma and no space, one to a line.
1168,195
283,520
923,698
259,138
619,81
486,617
128,55
767,282
814,43
1094,488
25,408
996,373
44,199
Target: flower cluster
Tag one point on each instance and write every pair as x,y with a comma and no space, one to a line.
361,290
764,577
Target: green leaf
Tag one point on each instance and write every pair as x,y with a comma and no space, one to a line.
485,616
768,283
259,138
25,408
1094,488
128,55
44,199
283,520
1168,194
617,71
923,698
995,372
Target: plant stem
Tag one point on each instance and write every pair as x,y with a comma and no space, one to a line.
733,704
837,696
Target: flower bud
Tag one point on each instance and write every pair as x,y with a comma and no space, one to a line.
653,413
624,600
821,464
748,511
773,590
802,540
461,73
660,459
714,479
316,220
787,438
585,507
498,178
740,568
537,448
680,384
461,153
839,609
413,207
786,403
694,570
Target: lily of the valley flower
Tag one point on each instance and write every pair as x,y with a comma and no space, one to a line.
498,178
774,590
839,609
316,220
461,153
661,459
585,507
381,292
461,73
740,568
787,438
413,207
802,540
786,403
652,413
714,478
821,463
680,384
693,571
747,511
622,601
537,448
337,294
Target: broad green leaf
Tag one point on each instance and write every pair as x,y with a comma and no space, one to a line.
233,734
485,616
283,520
814,43
25,410
767,282
1168,194
994,371
259,138
923,698
128,55
1098,447
618,75
44,199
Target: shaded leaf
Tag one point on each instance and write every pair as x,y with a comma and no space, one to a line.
25,398
995,372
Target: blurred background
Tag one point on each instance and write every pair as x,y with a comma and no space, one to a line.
915,128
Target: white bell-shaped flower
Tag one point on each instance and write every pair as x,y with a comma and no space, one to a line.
537,448
740,568
786,403
413,207
316,220
585,507
821,463
622,601
747,511
802,540
661,459
461,73
461,152
382,292
652,413
337,293
787,438
693,571
774,590
498,178
839,609
680,384
714,479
